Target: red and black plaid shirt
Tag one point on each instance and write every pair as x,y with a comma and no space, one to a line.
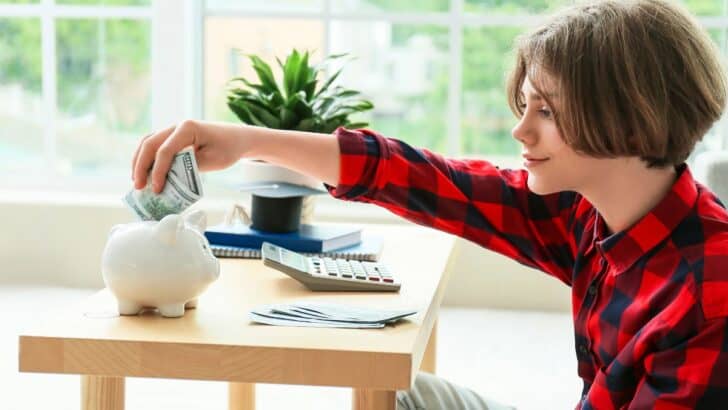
649,304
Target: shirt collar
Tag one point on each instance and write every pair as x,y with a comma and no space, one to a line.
623,249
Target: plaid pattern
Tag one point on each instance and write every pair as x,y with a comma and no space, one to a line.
649,304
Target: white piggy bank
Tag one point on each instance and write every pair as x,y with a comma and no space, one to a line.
165,264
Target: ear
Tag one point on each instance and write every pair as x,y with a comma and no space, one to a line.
114,229
166,230
197,220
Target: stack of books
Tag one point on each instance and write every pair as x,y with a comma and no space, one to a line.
333,241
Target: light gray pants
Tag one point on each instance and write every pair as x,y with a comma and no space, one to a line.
433,393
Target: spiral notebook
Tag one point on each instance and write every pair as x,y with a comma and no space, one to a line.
369,249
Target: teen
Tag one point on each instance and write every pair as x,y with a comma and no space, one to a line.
611,98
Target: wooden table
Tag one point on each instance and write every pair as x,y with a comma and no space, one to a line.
217,341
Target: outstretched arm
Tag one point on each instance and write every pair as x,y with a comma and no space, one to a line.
220,145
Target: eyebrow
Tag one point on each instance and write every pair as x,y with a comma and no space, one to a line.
538,96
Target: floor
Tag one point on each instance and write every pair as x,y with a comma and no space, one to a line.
525,359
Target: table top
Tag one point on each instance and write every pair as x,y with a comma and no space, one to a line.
217,340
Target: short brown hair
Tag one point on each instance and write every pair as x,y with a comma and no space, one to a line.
634,78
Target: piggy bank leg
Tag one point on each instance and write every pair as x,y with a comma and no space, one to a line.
191,304
127,307
172,310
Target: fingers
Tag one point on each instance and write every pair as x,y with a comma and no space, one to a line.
136,154
145,156
182,136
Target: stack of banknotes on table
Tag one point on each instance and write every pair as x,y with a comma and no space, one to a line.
182,188
324,314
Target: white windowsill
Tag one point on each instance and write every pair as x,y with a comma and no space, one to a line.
326,209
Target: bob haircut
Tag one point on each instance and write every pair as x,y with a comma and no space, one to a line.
633,78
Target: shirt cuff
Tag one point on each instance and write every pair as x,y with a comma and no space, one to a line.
361,151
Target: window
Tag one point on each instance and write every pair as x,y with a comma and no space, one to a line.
75,79
434,69
83,80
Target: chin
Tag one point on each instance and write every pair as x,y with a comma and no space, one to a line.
541,187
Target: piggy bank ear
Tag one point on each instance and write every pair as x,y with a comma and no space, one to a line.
114,229
197,220
167,228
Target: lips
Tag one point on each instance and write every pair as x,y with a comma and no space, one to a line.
532,161
529,157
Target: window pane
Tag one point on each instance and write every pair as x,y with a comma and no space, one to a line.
107,2
487,119
514,6
228,41
18,1
713,140
391,5
287,6
103,94
21,111
706,7
403,70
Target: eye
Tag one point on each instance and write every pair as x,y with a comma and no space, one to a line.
545,112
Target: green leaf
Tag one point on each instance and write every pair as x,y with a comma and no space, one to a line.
309,124
328,82
264,73
347,93
290,73
356,125
310,88
240,113
288,118
253,120
302,76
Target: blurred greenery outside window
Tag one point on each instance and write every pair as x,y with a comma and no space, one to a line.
403,65
100,68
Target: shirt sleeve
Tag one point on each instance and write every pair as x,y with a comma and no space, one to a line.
693,374
472,199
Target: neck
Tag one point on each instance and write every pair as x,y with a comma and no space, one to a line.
628,192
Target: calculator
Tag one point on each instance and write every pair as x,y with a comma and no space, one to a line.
321,273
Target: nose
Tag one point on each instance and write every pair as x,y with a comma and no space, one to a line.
524,131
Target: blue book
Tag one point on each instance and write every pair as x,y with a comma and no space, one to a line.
308,238
369,249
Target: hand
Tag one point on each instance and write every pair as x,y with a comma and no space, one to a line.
214,149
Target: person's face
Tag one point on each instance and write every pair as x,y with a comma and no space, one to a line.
552,165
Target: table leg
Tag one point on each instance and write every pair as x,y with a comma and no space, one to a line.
241,396
368,399
102,393
430,357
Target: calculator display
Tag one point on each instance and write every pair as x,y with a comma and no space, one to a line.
294,260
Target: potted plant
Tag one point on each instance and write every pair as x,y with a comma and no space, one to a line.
301,101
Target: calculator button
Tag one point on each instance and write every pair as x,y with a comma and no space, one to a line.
388,280
374,278
361,277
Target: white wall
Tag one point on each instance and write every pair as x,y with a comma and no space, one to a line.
58,239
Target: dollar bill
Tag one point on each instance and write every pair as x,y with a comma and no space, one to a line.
184,168
183,188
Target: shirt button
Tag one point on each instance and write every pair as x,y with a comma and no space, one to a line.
582,349
592,290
